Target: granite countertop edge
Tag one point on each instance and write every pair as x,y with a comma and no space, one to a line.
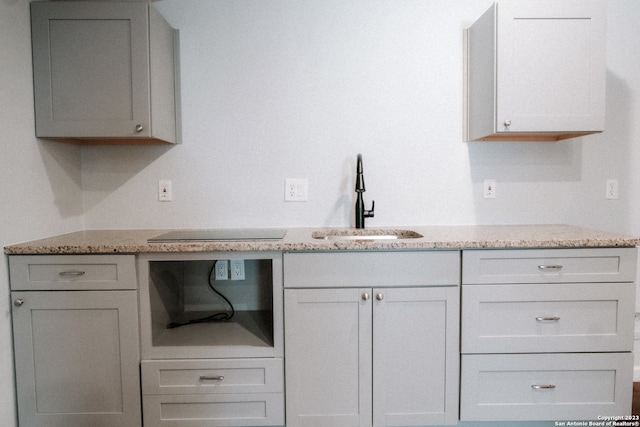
300,239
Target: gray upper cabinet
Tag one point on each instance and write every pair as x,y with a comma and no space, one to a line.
104,73
536,71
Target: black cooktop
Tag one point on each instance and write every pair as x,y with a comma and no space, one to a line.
220,234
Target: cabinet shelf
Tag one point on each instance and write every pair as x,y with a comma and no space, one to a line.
247,329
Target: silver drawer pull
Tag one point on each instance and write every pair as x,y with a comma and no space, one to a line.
543,386
74,273
209,378
550,267
547,319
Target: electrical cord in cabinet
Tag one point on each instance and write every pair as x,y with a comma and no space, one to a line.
216,317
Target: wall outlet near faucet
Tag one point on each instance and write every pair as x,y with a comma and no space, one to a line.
295,190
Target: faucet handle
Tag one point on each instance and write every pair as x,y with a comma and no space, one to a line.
369,214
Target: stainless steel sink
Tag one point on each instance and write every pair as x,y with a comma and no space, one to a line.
365,234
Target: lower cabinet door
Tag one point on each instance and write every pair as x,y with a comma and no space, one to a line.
328,357
570,386
77,358
214,410
415,356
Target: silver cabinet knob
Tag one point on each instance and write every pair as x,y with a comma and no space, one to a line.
379,297
18,302
139,128
365,296
507,123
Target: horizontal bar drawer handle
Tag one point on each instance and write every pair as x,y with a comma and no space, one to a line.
550,267
543,386
210,378
74,273
547,319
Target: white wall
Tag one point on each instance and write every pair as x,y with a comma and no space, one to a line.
295,89
289,89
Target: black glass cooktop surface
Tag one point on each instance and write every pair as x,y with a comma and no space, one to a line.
220,234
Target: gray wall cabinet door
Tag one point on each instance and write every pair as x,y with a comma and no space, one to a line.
77,358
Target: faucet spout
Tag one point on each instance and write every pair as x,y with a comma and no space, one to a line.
361,212
359,177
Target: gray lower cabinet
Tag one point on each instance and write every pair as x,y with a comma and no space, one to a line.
547,334
363,355
205,372
77,351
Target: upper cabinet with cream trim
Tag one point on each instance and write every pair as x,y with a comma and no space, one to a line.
536,71
104,72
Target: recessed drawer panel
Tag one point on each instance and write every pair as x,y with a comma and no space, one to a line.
545,318
212,376
261,409
371,269
545,386
549,265
72,272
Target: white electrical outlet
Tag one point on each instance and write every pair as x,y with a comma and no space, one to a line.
165,193
237,269
295,190
222,269
612,189
489,190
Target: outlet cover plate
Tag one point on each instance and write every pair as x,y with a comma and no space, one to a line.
237,269
295,190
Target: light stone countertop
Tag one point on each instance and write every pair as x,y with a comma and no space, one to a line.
300,239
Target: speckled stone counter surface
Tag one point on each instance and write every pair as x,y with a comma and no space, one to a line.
301,239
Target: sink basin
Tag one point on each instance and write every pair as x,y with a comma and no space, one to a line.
365,234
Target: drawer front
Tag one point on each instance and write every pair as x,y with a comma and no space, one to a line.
549,265
545,386
261,409
212,376
371,269
548,318
72,272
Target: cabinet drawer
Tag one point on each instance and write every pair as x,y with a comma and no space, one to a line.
545,386
545,318
72,272
371,269
209,410
549,265
212,376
